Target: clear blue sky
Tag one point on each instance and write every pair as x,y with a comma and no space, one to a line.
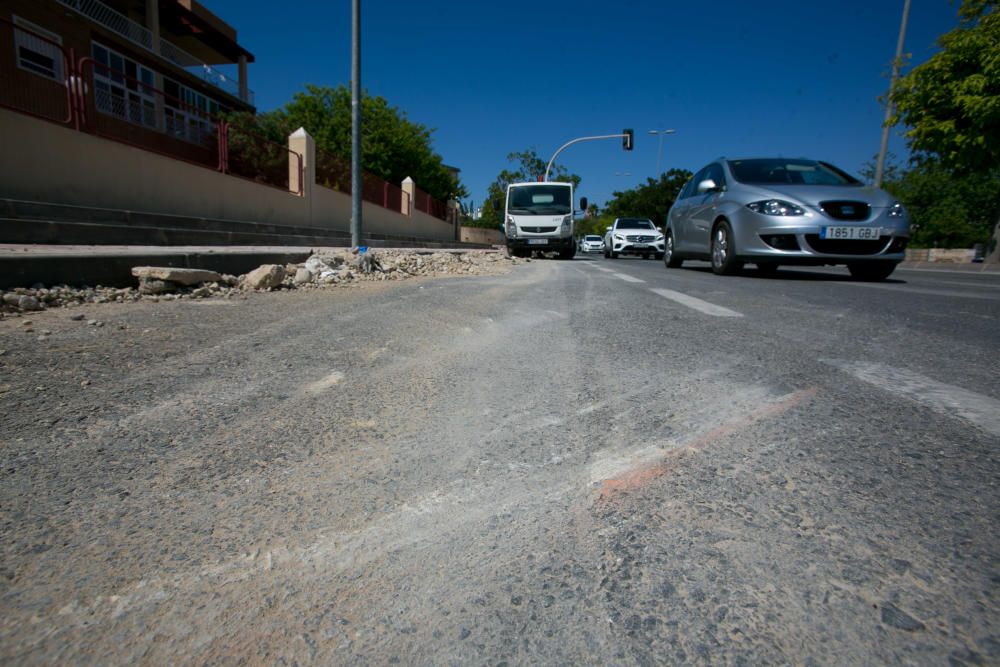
733,77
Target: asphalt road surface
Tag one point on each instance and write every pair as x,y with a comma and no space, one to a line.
585,462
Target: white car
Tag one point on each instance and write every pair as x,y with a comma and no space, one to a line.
633,236
591,243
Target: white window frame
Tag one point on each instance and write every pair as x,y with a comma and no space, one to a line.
29,42
134,102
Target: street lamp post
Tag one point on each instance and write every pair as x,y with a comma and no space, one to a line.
659,151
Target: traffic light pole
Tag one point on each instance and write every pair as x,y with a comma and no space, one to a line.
566,145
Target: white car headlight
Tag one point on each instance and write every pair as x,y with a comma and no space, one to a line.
897,211
619,237
775,207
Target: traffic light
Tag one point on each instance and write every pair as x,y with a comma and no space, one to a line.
627,139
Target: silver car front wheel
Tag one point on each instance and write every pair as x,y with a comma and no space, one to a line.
723,250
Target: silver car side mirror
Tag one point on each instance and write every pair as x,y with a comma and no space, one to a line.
706,186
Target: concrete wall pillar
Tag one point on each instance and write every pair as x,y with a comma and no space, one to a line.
244,86
410,188
153,22
302,143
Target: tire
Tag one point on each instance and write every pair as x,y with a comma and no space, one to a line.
607,251
568,253
767,269
614,255
871,271
670,258
723,251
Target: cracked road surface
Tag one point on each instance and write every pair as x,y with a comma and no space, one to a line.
558,466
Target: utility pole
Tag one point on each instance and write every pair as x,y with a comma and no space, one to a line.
659,152
356,178
884,147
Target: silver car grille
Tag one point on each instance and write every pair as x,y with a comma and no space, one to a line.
636,238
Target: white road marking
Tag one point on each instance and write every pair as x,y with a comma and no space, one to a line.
982,411
629,279
697,304
606,270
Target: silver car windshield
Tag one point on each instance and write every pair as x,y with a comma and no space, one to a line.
789,172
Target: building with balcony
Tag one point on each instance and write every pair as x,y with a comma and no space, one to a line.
165,65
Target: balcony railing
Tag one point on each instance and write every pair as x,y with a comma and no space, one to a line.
143,37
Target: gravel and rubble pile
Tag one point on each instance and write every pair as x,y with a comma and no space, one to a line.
320,271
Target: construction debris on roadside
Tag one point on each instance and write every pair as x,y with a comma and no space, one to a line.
319,271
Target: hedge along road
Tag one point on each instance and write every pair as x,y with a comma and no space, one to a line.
552,466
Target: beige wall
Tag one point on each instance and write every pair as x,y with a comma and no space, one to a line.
41,161
482,235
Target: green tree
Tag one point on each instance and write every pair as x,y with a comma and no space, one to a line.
528,167
652,199
951,103
392,146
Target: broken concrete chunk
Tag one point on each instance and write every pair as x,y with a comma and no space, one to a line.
153,286
265,277
302,276
175,275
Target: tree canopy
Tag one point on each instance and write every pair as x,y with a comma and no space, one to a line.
650,200
392,146
951,103
951,106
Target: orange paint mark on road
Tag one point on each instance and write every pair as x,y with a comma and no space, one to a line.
650,471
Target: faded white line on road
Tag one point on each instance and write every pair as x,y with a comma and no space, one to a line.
982,411
606,270
330,380
629,279
697,304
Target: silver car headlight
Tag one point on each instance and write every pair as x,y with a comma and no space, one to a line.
897,211
619,237
775,207
511,228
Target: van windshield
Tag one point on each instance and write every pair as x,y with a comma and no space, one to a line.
540,199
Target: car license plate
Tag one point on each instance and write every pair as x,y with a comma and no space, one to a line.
538,241
851,233
640,245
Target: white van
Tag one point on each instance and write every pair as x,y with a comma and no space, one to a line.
539,217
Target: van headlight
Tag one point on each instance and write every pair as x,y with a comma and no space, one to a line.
511,228
567,221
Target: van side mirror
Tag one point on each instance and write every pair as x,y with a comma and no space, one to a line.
583,204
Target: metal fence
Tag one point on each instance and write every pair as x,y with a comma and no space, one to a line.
335,173
423,202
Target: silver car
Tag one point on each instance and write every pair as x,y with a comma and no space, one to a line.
774,211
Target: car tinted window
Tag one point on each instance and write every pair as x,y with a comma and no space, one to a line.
789,172
634,223
592,238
